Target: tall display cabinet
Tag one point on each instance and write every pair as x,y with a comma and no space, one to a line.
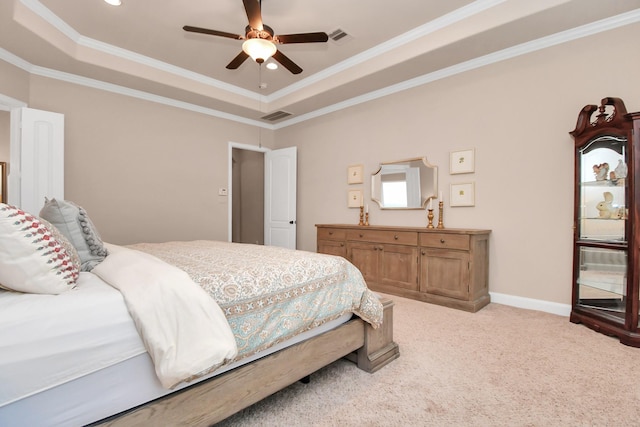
606,270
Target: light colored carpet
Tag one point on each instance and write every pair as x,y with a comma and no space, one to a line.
501,366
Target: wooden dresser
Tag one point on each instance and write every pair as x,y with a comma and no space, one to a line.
443,266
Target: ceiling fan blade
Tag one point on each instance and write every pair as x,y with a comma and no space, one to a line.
254,14
302,38
212,32
237,61
286,62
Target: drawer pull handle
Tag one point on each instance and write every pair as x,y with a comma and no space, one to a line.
361,235
341,244
396,237
441,240
424,253
331,233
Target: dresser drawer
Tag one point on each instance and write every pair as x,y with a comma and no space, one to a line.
331,234
444,240
383,236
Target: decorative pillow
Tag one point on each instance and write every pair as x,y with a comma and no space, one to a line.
32,258
75,224
66,244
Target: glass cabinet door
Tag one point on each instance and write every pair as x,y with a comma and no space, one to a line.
603,189
602,279
602,228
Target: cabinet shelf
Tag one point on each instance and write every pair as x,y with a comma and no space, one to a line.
605,183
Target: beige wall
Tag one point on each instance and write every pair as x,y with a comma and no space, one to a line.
148,172
14,82
143,171
517,115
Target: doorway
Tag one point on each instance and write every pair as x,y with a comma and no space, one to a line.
11,107
4,135
247,194
263,189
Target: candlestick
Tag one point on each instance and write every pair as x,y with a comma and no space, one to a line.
366,219
361,216
430,217
441,214
431,204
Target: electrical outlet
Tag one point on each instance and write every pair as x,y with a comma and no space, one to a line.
222,192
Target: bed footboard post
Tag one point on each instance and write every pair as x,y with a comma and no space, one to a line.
379,347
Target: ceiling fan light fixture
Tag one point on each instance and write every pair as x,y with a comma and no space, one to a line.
259,49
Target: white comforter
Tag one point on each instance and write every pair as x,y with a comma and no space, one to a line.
184,330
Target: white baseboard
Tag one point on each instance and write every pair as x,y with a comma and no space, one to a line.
531,304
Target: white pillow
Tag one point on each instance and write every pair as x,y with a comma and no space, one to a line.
74,222
33,257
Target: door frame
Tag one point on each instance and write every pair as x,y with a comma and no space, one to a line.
239,146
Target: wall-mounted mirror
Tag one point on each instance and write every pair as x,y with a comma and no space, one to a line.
405,184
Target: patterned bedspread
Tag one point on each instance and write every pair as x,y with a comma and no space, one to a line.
270,294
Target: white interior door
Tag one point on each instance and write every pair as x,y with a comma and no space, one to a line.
280,197
40,169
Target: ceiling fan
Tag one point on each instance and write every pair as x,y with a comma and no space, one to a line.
260,40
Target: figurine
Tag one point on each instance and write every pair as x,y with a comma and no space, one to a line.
606,208
620,170
601,171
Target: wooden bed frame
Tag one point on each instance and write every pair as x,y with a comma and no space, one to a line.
218,398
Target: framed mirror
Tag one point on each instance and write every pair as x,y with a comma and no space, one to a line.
3,182
405,184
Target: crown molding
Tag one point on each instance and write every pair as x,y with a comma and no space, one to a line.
492,58
40,10
617,21
394,43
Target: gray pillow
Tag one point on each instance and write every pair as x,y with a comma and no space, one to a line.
73,221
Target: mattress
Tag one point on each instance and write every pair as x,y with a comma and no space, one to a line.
43,344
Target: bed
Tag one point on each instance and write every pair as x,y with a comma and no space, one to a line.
89,354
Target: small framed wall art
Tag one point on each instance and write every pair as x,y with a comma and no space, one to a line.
462,161
354,198
463,194
355,174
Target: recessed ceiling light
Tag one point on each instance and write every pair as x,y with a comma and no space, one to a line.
114,2
272,66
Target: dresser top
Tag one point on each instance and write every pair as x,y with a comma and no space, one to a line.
399,228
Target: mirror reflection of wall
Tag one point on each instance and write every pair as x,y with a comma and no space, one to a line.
404,184
401,186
